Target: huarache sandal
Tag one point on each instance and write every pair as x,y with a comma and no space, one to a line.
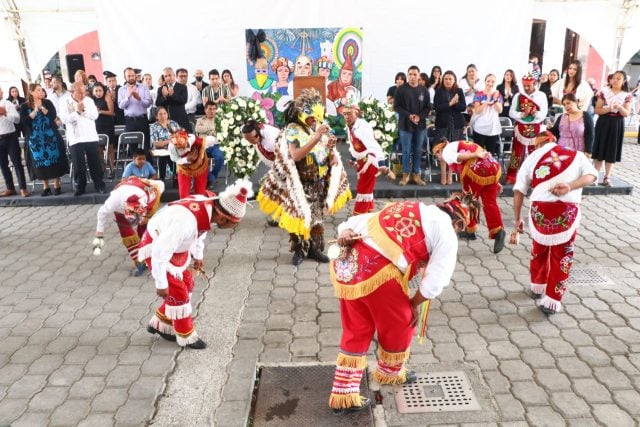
606,181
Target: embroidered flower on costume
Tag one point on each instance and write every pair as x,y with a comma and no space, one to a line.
565,264
542,171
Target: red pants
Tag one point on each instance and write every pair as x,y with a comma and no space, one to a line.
365,186
518,153
199,184
130,235
387,311
550,266
488,194
173,316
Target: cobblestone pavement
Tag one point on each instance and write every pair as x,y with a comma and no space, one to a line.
74,351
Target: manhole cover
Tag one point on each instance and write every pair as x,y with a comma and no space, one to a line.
587,276
299,396
437,392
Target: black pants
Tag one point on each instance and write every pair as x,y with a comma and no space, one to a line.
139,124
78,153
10,148
491,143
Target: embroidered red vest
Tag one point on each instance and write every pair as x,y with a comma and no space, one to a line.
481,171
527,130
199,210
153,195
397,230
556,217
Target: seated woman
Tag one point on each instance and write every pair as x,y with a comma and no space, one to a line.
160,133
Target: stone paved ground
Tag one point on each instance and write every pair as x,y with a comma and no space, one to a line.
73,349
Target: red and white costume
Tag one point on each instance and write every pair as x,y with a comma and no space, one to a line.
192,163
143,192
553,220
528,112
173,235
480,177
371,279
267,146
369,157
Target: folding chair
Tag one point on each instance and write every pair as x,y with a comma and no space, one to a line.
126,142
506,138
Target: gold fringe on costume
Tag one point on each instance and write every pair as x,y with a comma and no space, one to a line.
351,361
130,241
361,289
393,358
339,401
383,378
278,213
480,180
390,249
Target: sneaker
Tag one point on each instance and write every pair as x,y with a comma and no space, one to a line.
498,245
411,377
154,331
140,269
366,403
467,235
317,255
198,345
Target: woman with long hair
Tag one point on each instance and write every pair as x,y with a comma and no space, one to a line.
435,78
552,78
573,83
613,105
401,78
574,128
470,84
508,88
485,122
46,146
227,79
105,124
449,104
15,98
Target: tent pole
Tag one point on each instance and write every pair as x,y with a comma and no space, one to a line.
13,15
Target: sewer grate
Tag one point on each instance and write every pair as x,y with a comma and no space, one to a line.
587,276
299,396
437,392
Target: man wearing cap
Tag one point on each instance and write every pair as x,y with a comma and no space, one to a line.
134,98
367,154
479,174
380,254
111,82
175,234
556,176
133,201
529,110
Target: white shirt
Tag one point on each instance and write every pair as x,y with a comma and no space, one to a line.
81,127
584,93
116,203
174,229
193,99
364,132
540,98
269,141
581,166
450,153
464,85
441,241
10,119
58,100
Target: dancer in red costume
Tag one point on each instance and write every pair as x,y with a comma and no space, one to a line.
173,236
556,176
380,254
368,156
480,174
529,109
133,201
189,153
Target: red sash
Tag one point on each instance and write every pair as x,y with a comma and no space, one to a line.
552,164
199,210
356,144
267,154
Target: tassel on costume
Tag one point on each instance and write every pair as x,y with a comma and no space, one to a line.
424,314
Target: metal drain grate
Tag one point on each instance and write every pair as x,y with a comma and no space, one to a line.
587,276
437,392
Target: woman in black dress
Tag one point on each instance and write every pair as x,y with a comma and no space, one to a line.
15,98
508,88
105,123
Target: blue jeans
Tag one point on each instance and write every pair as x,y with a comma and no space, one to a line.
218,161
411,143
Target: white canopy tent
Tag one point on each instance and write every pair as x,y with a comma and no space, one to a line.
197,34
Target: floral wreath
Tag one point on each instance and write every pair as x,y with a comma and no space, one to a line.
241,157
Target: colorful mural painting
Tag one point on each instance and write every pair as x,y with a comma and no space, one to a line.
276,56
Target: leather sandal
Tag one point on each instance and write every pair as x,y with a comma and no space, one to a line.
606,181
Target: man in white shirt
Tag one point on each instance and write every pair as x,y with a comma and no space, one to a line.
175,234
79,115
10,148
193,98
556,176
381,252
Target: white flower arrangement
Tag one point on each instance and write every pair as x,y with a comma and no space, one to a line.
241,157
382,119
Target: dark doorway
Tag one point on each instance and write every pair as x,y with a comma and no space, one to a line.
571,41
536,45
